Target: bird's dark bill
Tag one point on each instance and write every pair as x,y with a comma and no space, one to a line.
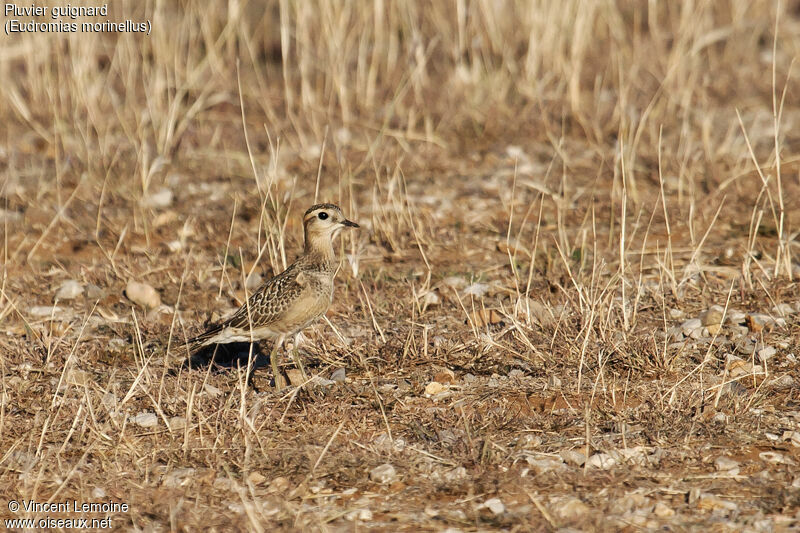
350,224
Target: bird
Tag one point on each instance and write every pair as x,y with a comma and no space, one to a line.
286,304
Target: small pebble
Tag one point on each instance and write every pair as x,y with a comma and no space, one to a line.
784,309
454,282
339,375
179,477
571,509
495,505
383,473
541,313
456,474
709,502
689,326
573,457
69,290
385,444
602,461
93,292
142,294
775,458
159,199
361,514
295,377
628,503
256,478
793,437
713,317
662,510
211,390
726,464
766,353
322,382
529,440
45,311
430,299
145,419
175,246
736,317
783,382
434,387
545,464
477,290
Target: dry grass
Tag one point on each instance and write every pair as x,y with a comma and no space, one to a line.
583,176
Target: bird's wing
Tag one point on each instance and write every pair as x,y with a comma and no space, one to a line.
264,307
270,301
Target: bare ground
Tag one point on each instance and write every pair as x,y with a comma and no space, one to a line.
542,223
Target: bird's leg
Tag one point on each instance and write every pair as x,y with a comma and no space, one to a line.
273,359
296,357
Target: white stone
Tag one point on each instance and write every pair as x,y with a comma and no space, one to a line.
766,353
675,313
179,477
573,457
662,510
142,294
145,419
495,505
690,325
454,282
322,382
45,311
726,464
775,458
434,387
529,440
793,437
602,461
339,374
383,473
782,382
477,290
69,290
159,199
784,309
545,464
175,246
430,299
570,508
456,474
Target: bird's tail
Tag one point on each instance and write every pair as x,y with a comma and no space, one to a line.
184,351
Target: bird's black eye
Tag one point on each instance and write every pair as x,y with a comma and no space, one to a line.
323,215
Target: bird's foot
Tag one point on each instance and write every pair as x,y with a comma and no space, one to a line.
299,362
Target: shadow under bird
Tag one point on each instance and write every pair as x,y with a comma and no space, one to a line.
287,303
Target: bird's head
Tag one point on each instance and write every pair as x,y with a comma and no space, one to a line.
322,222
